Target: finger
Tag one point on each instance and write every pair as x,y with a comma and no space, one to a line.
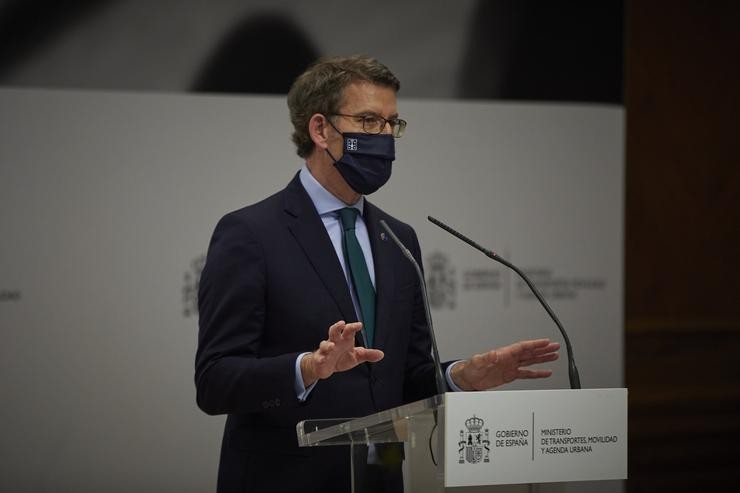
325,347
335,331
528,349
515,351
532,344
351,329
538,357
550,348
533,373
545,358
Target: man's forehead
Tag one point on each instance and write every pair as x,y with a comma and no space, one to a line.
365,96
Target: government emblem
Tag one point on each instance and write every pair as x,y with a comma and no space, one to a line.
474,444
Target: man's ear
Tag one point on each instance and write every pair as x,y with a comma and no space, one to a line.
318,129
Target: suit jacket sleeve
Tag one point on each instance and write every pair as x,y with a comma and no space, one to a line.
229,375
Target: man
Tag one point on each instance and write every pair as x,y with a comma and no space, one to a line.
287,281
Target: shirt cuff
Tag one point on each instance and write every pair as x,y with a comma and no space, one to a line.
300,390
448,377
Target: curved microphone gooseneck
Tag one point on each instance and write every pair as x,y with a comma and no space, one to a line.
438,377
575,379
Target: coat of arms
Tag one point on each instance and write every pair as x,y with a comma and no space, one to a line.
474,445
190,288
440,281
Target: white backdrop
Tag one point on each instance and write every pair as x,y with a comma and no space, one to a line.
107,203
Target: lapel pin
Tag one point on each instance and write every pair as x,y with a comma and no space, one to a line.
383,237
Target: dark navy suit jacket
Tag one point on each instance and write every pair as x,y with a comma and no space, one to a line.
271,287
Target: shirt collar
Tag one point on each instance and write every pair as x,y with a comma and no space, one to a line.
323,199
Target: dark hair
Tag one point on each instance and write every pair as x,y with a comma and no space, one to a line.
320,89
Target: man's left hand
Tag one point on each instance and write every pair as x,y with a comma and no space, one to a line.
504,365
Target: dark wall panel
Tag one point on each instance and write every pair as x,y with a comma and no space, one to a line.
682,276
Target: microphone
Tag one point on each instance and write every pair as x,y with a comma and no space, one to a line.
438,377
575,379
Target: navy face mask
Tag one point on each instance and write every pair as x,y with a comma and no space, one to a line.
367,160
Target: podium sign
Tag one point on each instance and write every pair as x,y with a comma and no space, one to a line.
489,438
514,437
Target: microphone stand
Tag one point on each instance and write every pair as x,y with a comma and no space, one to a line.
573,376
438,377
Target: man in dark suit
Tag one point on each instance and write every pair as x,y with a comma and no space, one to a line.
308,311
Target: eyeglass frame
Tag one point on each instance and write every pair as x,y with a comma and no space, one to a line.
396,134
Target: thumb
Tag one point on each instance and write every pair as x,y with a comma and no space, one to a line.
369,355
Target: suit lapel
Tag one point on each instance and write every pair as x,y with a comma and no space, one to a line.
306,226
384,251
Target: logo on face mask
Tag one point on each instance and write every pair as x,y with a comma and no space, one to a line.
351,144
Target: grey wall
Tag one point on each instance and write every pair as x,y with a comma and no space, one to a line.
107,202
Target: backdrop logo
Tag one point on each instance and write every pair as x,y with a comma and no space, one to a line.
441,285
10,295
474,445
190,286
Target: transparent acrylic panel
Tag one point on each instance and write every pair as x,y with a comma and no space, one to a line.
384,427
393,450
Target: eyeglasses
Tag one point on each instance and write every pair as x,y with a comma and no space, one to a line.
374,124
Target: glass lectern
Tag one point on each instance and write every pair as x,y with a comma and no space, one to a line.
416,428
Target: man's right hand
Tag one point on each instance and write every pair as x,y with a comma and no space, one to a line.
337,353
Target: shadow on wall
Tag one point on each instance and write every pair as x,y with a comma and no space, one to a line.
547,51
263,54
516,49
27,26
